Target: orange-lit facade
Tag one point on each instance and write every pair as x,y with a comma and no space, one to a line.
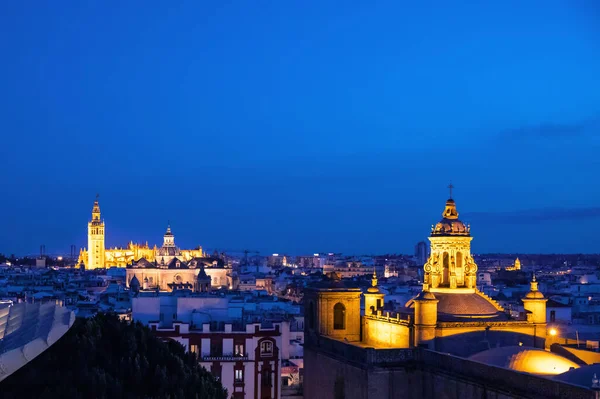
450,314
96,255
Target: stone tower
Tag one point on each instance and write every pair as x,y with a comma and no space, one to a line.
425,319
450,264
95,239
333,310
535,304
373,297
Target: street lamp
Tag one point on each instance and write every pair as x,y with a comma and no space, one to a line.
553,331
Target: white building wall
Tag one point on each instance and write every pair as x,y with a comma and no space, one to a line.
285,339
227,376
146,309
215,306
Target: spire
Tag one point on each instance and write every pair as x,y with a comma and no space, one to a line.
374,279
168,228
96,209
373,288
450,187
450,211
534,292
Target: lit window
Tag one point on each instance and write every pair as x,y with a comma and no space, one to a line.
266,348
239,350
239,375
194,348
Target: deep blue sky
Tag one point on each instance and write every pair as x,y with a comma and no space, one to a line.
299,126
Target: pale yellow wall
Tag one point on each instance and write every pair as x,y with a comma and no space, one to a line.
537,307
384,334
371,301
324,318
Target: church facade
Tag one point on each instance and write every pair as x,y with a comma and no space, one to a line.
98,256
449,317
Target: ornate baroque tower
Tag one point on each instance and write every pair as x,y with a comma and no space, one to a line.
95,239
450,264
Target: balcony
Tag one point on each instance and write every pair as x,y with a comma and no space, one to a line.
226,357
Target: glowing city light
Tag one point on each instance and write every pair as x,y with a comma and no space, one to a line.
553,331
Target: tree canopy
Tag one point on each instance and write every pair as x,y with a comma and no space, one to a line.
104,357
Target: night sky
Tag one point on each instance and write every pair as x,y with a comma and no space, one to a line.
299,126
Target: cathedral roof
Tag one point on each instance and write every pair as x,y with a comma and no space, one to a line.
173,264
143,262
465,307
168,251
450,225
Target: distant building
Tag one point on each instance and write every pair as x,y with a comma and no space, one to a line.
277,260
251,347
515,267
97,256
421,253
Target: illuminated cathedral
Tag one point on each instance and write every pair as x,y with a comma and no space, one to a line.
98,256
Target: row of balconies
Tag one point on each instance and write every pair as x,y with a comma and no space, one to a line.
226,357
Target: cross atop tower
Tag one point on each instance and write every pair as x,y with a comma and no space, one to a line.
450,187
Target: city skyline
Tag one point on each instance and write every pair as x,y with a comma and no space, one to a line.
120,241
291,128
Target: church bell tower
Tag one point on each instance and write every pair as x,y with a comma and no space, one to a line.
95,239
450,265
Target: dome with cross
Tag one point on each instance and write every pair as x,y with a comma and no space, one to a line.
450,225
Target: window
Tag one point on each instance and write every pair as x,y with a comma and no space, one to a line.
266,378
552,316
339,317
216,348
238,350
194,348
239,375
266,348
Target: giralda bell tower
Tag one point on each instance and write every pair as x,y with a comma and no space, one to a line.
95,239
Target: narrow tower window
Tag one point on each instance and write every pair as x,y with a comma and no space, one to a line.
339,317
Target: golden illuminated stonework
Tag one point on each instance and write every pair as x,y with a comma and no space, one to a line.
450,264
516,266
97,256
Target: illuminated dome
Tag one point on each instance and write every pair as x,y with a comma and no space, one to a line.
450,225
525,359
462,307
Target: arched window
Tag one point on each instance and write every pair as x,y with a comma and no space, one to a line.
339,317
311,315
446,269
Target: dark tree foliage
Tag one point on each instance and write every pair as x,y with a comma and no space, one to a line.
103,357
